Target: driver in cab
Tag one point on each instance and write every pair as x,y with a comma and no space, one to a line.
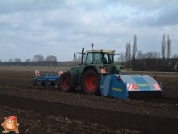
103,59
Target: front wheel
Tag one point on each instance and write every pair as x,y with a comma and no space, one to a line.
91,82
65,82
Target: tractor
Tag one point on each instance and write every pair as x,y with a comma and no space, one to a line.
88,74
98,74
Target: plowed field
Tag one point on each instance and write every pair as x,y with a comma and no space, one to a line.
49,110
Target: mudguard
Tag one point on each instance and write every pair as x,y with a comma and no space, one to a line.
96,67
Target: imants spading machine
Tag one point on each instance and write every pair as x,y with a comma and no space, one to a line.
130,86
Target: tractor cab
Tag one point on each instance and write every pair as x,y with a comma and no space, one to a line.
99,57
103,59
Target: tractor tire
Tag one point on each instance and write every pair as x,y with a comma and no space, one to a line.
91,82
65,82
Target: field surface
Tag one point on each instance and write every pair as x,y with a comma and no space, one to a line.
49,110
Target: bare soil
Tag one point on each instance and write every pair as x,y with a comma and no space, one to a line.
49,110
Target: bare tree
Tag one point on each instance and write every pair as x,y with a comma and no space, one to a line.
28,61
163,48
168,47
128,55
175,56
17,60
155,63
139,55
134,51
134,46
140,62
156,54
152,60
38,58
51,59
150,55
10,60
121,58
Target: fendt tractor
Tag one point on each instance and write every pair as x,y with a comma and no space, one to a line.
98,74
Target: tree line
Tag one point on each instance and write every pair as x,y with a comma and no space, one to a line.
137,60
39,59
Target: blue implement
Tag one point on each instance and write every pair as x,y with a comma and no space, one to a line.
46,80
126,86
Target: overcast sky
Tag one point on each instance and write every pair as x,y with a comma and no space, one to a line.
62,27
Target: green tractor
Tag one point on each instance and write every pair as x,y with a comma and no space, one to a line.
89,72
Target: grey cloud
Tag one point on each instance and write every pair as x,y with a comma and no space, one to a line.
63,27
9,6
143,4
167,17
163,18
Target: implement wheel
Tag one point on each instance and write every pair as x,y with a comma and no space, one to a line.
65,82
91,82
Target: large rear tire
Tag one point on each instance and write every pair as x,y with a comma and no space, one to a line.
91,82
65,82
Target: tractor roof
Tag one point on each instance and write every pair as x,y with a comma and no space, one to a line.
104,51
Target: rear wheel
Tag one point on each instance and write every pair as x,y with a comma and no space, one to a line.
91,82
65,82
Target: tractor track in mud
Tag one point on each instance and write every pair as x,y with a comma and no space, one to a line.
137,116
113,119
163,100
106,116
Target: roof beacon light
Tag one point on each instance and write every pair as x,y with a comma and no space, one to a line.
92,45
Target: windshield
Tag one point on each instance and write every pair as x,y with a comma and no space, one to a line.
98,58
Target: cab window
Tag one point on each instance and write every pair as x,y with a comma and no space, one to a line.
110,58
97,58
89,58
